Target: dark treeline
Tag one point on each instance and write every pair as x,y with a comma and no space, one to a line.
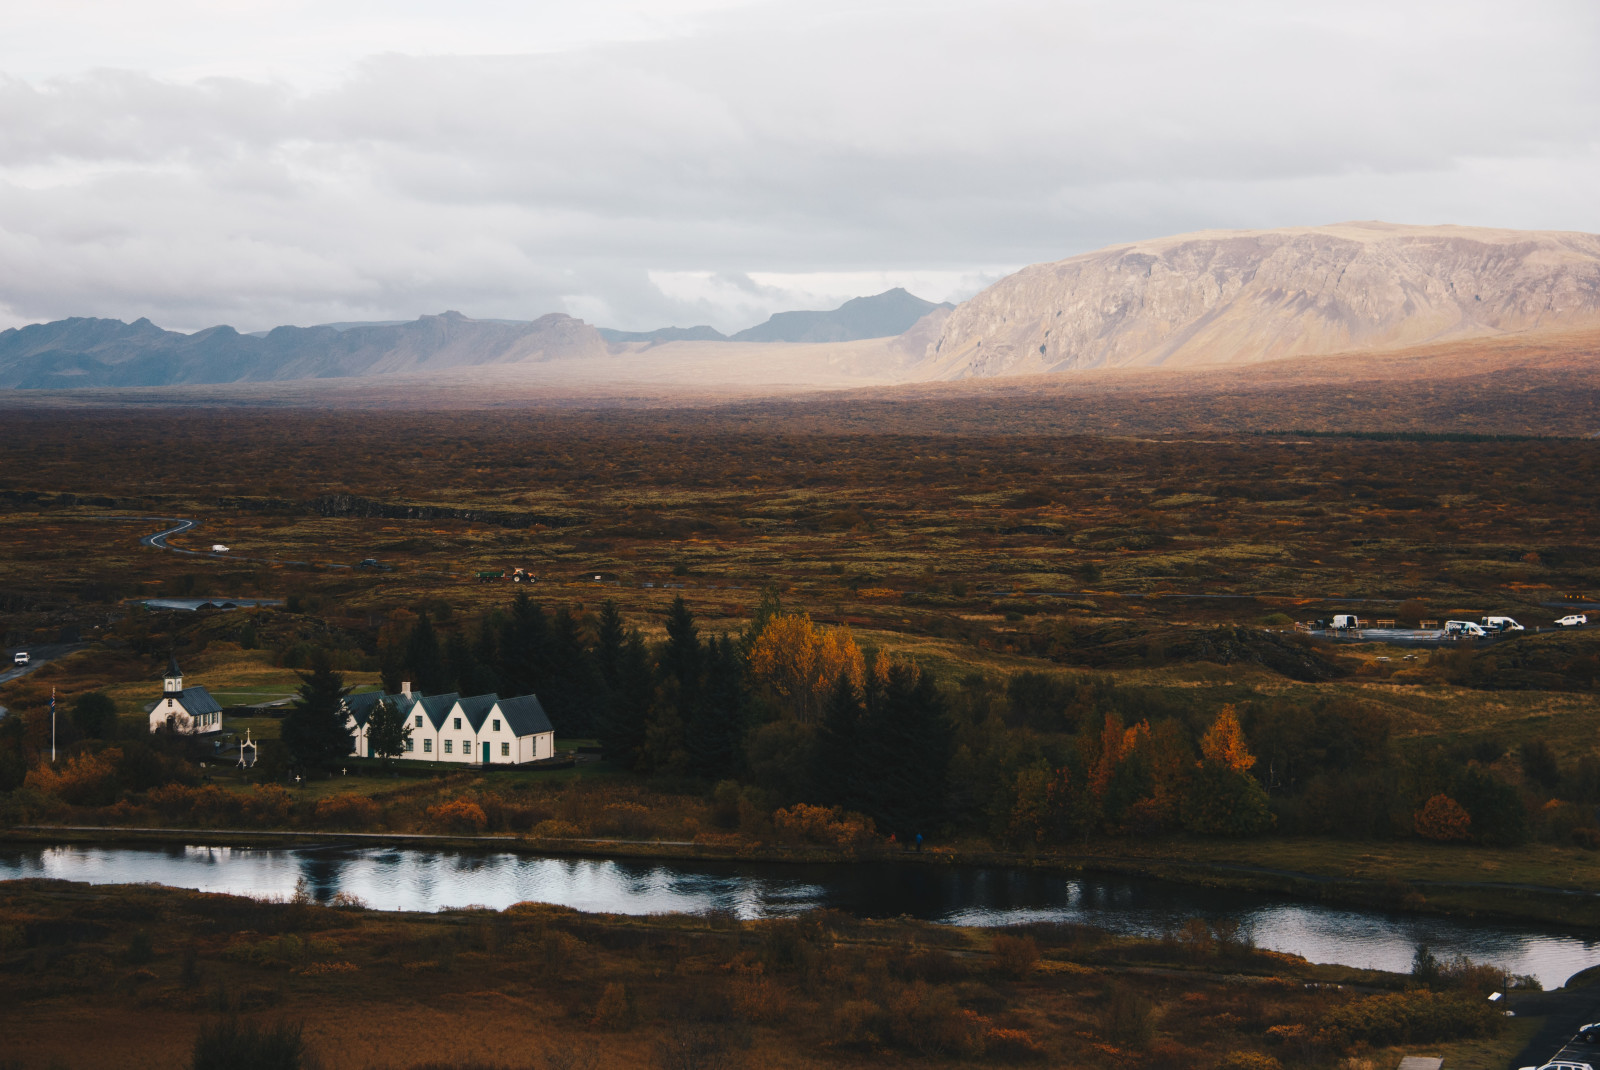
688,708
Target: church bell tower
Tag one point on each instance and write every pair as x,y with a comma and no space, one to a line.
172,685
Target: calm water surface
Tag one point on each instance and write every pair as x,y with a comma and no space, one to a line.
404,879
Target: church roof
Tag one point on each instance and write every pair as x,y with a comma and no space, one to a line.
172,665
198,700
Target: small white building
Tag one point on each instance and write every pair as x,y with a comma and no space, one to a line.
480,730
184,711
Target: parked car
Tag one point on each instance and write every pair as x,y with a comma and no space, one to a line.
374,563
1502,624
1589,1034
1573,620
1563,1065
1342,621
1464,629
20,658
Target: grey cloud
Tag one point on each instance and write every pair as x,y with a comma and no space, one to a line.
781,139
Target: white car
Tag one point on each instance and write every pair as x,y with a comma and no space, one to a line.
1572,620
20,658
1563,1065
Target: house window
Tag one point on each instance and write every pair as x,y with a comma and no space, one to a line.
466,746
410,745
505,750
497,724
419,720
427,746
458,722
447,746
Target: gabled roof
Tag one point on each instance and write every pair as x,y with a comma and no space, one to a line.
361,706
524,716
477,709
172,665
197,700
437,707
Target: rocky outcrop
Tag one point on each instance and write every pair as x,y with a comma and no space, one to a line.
1227,297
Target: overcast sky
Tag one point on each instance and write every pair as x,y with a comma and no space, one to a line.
649,162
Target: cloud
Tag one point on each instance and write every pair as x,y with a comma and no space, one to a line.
643,164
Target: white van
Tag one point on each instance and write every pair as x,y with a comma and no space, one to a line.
1464,629
1502,624
1346,620
20,658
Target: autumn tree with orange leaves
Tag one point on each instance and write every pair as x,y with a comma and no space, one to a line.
1223,799
802,663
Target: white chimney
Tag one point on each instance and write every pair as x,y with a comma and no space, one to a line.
405,688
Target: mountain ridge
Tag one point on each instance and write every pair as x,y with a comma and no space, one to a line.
1246,296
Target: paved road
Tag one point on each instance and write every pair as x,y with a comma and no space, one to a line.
41,654
1564,1011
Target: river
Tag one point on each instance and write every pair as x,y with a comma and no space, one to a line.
406,879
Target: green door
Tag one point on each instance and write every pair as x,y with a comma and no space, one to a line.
486,754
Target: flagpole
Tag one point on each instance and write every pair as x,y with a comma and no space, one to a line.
52,726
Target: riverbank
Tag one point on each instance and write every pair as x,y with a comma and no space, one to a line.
155,967
1389,877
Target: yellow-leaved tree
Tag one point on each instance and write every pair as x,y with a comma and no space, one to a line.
1224,744
802,663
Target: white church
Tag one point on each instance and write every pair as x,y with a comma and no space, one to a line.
184,711
480,730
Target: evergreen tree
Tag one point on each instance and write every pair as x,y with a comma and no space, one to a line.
460,665
387,730
715,730
523,642
570,687
680,657
95,715
835,771
314,730
610,635
631,706
423,659
905,751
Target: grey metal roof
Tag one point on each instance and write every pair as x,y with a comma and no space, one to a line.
198,700
477,709
437,707
361,706
524,715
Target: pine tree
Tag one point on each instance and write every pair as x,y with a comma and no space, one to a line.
631,706
460,664
569,687
836,768
523,641
423,659
715,730
314,730
610,635
905,749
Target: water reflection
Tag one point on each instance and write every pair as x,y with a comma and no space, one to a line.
395,879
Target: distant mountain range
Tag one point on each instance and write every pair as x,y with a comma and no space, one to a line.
883,315
110,353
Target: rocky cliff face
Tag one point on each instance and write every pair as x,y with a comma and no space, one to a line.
1241,296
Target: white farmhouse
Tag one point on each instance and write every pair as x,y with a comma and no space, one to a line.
480,730
185,711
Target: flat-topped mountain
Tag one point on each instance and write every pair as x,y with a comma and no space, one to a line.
879,316
1241,296
101,352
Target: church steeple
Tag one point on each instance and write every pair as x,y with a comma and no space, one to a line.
173,683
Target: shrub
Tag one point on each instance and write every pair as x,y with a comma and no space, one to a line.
613,1009
1442,818
1011,1045
628,819
1416,1017
757,999
555,829
229,1044
1015,956
1249,1060
267,805
348,810
804,823
1126,1018
459,815
82,780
